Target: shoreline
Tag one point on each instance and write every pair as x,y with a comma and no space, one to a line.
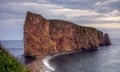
37,65
41,63
46,59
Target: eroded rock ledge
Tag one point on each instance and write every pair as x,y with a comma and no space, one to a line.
43,37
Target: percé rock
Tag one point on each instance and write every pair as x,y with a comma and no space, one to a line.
43,37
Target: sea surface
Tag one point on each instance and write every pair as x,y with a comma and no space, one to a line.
16,48
105,59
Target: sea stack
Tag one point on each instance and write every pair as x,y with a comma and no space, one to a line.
44,37
107,39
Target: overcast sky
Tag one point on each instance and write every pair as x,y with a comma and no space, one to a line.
102,14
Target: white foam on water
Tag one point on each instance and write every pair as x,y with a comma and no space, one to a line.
46,62
63,53
48,58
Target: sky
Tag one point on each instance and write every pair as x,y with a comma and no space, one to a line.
101,14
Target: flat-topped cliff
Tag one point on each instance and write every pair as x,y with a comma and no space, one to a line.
44,37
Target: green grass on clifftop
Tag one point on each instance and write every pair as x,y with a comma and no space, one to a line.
9,64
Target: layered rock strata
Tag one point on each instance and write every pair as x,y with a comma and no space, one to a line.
43,37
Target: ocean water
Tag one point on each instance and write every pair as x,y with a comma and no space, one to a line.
105,59
16,48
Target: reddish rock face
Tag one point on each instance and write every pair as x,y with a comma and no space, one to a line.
36,35
107,39
101,38
43,37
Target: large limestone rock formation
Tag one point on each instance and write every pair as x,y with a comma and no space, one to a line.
43,37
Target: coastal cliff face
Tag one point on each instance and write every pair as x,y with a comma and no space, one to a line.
43,37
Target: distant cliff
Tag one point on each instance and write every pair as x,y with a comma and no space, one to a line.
42,36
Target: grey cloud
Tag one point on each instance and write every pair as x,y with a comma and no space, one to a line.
115,5
92,21
17,1
5,16
89,5
76,4
15,12
108,7
18,11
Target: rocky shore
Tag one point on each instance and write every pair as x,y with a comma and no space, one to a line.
37,65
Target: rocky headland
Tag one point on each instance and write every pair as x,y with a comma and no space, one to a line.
44,37
47,37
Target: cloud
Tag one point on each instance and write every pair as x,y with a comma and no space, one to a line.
105,26
112,28
110,18
83,12
75,4
105,2
11,29
62,9
49,10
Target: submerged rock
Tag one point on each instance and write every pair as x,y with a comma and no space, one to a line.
43,37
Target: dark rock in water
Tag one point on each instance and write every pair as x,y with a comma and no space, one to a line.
43,37
107,39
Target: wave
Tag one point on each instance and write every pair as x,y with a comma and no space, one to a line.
46,62
48,58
